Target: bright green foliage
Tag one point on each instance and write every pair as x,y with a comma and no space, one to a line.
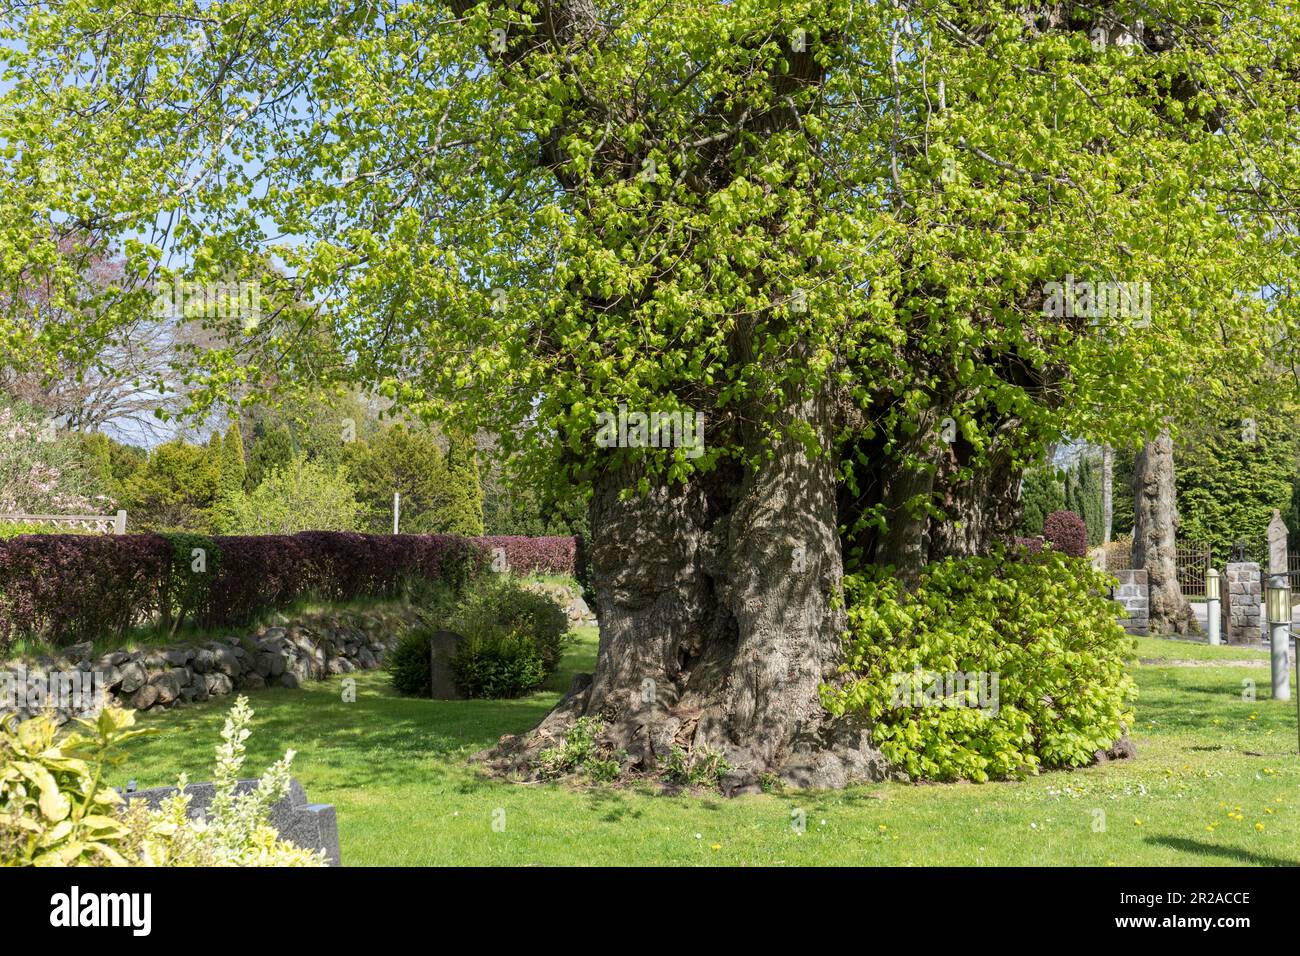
1043,626
112,462
698,768
497,664
303,496
234,472
236,830
497,606
700,205
175,490
1041,494
232,478
1231,474
56,805
403,460
58,809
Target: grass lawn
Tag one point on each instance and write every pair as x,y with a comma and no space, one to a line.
1217,781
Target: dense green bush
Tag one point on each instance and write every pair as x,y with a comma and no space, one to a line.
497,664
496,606
513,639
407,664
1042,625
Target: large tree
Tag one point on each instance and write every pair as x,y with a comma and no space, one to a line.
853,237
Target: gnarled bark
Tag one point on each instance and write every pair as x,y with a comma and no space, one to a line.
1156,510
720,614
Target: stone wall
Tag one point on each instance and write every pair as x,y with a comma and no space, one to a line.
1135,597
281,654
1241,603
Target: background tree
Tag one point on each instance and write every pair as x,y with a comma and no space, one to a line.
403,460
462,512
1041,494
176,488
1232,472
305,496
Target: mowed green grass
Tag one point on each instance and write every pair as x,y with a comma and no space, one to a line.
1217,781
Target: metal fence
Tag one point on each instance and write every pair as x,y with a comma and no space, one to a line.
1193,560
95,524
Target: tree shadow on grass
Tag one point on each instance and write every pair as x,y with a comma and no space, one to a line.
612,805
380,738
1197,848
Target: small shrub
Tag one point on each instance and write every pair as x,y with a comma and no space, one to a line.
496,664
497,606
701,767
1041,625
581,753
57,810
407,664
1067,533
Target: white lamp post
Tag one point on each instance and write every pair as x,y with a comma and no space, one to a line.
1212,605
1277,600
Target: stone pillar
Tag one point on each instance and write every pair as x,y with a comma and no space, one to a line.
1134,595
1242,598
1277,535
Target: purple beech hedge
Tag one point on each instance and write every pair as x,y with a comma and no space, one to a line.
71,588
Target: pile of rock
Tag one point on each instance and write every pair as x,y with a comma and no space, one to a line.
568,597
283,654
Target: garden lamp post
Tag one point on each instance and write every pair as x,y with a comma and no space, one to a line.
1277,600
1212,605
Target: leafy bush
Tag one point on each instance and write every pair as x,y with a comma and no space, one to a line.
701,767
1066,532
581,753
1041,626
304,495
56,809
501,605
497,664
67,588
407,664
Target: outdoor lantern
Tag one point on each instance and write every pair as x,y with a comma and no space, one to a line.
1277,598
1212,585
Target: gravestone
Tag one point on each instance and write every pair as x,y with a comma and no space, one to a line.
442,648
312,826
1242,597
1135,597
1277,535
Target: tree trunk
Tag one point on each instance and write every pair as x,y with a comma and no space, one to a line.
719,620
1107,491
1156,512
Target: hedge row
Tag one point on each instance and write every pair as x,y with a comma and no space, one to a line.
556,555
69,588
